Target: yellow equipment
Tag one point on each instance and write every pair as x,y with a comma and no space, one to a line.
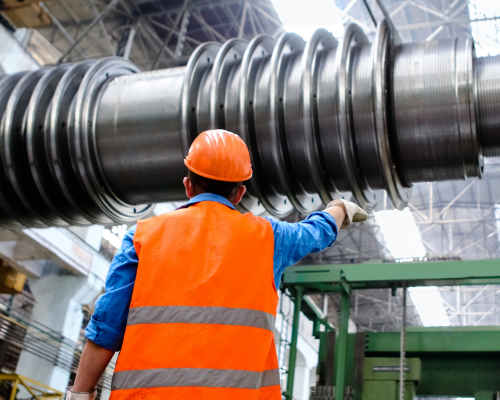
38,390
26,15
11,280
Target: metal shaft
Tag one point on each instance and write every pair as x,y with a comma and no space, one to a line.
100,141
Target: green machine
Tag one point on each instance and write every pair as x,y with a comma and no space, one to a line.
381,378
443,361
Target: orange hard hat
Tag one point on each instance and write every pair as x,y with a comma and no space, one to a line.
220,155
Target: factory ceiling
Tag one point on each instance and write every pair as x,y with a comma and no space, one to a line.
154,34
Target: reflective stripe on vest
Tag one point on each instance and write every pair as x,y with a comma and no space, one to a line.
194,377
201,315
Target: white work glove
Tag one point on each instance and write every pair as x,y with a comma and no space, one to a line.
354,213
70,395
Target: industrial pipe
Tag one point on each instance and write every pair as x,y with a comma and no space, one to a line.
98,142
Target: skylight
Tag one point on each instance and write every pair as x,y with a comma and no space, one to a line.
429,305
486,34
401,235
402,239
304,18
115,235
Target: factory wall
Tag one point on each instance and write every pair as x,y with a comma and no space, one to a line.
13,56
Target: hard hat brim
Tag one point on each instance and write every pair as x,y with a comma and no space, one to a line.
217,178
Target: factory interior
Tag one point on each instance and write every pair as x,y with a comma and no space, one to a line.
391,104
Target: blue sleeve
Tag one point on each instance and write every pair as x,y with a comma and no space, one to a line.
293,241
107,326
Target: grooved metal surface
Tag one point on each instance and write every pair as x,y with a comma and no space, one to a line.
488,95
432,138
364,118
327,107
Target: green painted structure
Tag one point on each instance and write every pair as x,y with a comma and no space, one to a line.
459,361
381,378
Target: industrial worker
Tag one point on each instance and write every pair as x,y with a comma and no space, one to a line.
191,295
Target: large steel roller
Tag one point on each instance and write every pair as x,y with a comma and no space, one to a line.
99,142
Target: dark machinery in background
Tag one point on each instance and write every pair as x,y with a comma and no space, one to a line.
97,142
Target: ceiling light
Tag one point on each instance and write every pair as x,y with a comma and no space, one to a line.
305,17
401,235
486,34
429,305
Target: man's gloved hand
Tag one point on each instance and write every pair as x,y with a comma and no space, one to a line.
70,395
354,213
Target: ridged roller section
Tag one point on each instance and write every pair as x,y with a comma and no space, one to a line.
436,136
99,141
50,172
372,122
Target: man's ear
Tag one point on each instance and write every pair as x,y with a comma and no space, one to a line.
188,185
239,194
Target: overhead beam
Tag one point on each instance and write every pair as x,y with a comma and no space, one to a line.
381,275
439,339
98,18
435,24
126,42
176,31
65,33
102,27
208,27
164,46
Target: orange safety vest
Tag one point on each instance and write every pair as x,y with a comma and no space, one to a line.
203,309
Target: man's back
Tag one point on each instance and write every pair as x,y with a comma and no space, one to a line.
204,284
209,251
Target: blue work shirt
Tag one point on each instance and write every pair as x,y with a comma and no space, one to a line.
292,241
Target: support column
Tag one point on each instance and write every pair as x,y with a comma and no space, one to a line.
341,343
58,306
292,359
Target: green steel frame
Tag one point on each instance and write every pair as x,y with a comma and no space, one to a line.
456,361
303,280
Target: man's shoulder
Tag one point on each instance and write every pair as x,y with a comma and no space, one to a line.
263,222
160,218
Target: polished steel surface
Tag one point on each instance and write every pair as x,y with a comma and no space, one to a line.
10,207
51,173
372,124
75,202
435,125
99,142
38,181
13,155
295,138
255,60
308,130
488,103
346,55
83,141
137,144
